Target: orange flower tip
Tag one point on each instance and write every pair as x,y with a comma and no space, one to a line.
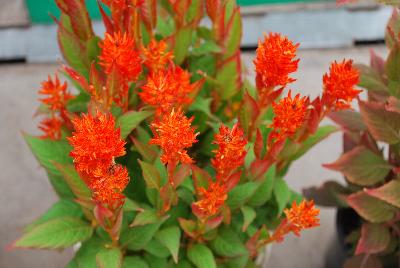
339,85
275,61
174,134
51,128
95,143
118,53
289,116
302,216
167,88
231,151
156,55
211,200
55,94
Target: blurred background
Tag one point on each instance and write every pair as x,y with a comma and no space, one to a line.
28,53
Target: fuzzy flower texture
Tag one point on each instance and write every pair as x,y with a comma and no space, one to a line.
96,143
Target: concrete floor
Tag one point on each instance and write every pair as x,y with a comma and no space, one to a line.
26,193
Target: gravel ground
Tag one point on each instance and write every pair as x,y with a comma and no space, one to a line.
26,193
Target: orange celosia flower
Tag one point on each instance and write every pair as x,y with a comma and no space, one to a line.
339,85
289,116
210,200
298,217
231,151
118,53
167,88
108,189
56,94
174,134
51,128
95,143
275,60
302,216
156,55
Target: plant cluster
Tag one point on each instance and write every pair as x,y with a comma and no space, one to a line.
370,161
166,155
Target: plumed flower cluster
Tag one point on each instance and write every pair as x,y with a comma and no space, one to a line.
210,200
96,143
156,55
174,134
55,98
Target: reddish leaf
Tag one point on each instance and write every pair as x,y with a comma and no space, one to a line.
328,194
377,62
201,178
383,125
214,222
370,208
188,226
348,119
181,173
374,239
233,180
393,104
248,113
361,166
259,144
389,192
82,82
145,150
106,19
148,12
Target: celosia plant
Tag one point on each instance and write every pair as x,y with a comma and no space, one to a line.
370,159
166,155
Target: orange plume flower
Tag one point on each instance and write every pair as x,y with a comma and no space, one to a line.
289,116
95,143
167,89
118,53
298,218
156,55
174,134
55,94
108,189
339,85
210,200
275,60
231,151
51,128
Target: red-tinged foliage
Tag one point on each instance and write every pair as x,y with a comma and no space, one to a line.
275,61
156,55
55,95
174,134
118,53
230,153
51,128
289,116
167,88
339,85
210,200
95,143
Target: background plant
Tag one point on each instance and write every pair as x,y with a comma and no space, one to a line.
166,155
370,159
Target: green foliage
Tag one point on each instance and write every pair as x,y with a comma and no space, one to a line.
201,256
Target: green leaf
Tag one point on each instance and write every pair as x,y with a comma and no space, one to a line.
383,125
389,192
370,79
136,238
228,77
130,120
49,152
74,181
62,208
109,258
249,214
183,38
80,103
392,65
361,166
375,238
228,244
131,205
150,175
170,237
201,104
370,208
134,262
201,256
264,191
60,186
86,255
282,194
57,233
234,34
239,195
154,247
208,47
147,216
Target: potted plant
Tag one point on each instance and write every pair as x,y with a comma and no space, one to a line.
166,155
368,206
